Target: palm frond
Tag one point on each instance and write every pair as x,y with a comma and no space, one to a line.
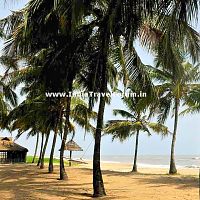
123,113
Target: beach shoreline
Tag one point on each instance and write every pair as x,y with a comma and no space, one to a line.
127,167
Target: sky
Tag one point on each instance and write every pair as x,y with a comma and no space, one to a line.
188,137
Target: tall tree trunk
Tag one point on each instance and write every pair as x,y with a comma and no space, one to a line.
98,185
42,142
36,147
102,64
52,151
173,169
63,174
61,134
136,152
44,151
54,141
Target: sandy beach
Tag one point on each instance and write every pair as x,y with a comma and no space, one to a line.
27,182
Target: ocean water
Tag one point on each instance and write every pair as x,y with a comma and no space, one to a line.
153,161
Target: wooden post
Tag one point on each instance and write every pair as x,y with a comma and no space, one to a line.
70,157
199,183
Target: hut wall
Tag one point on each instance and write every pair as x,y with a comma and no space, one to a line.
3,157
12,157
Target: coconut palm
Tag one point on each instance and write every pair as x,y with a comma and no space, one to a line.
173,88
81,115
112,17
29,117
136,121
8,99
49,23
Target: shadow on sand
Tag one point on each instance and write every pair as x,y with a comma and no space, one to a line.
27,182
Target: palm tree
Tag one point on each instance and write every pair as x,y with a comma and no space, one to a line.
115,16
8,98
135,122
32,133
30,115
8,64
36,104
36,146
49,23
81,115
23,118
175,85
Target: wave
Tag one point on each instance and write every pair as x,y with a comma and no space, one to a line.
111,162
192,166
151,161
196,158
167,166
143,165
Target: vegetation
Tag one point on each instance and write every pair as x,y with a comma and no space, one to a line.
72,45
134,123
29,159
173,90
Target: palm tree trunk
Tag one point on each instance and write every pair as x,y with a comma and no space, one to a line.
136,152
36,147
61,134
63,174
173,169
98,185
42,142
44,151
52,151
54,142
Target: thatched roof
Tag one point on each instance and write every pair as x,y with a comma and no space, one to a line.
7,144
72,146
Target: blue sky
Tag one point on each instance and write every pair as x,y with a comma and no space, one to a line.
188,138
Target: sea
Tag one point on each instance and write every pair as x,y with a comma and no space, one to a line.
152,161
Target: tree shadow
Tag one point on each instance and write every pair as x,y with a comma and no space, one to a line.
181,182
159,179
28,182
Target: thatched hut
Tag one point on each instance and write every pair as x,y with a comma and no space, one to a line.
11,152
72,146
